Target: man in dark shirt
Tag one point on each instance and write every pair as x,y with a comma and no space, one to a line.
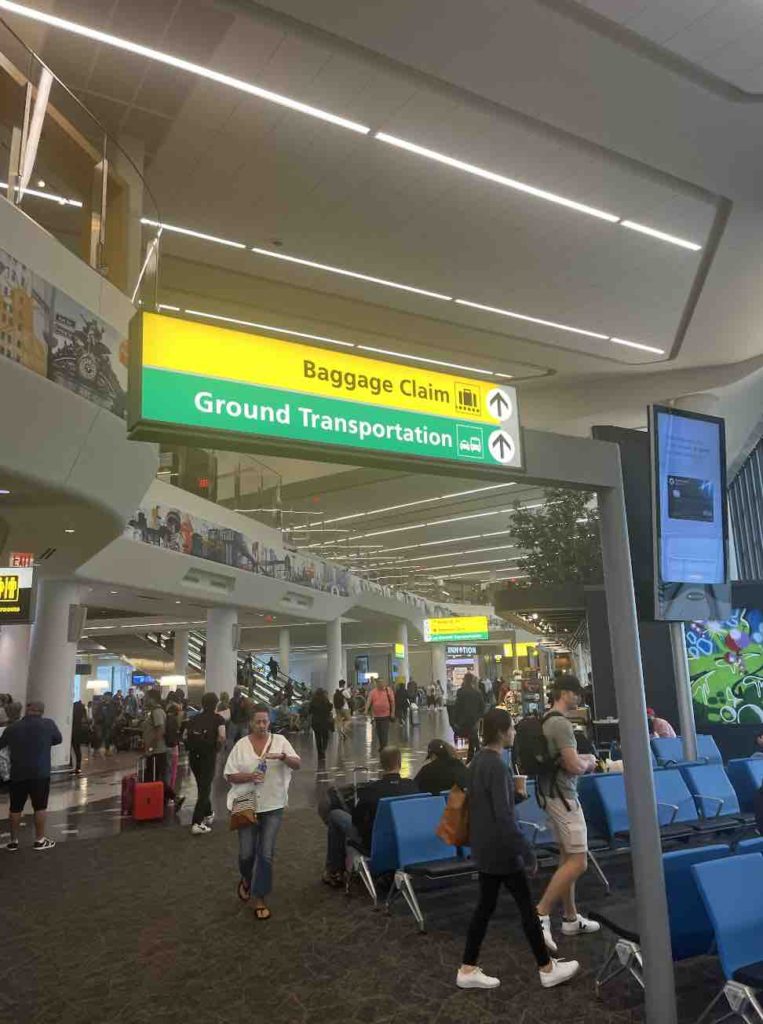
204,736
468,710
29,741
358,825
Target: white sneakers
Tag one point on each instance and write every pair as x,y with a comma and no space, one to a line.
476,979
200,829
561,971
545,923
579,925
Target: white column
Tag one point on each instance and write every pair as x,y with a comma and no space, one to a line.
439,668
14,661
283,650
221,652
402,638
335,660
53,658
181,652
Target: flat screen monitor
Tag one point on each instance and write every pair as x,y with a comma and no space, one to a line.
690,523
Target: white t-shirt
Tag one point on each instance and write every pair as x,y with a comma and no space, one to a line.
271,794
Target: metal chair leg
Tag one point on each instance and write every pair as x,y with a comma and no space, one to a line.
629,959
405,886
711,1006
368,881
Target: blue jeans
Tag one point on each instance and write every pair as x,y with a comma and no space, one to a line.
256,849
340,829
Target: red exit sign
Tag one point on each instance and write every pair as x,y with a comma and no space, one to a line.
21,559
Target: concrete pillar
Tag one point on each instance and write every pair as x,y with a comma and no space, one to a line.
439,667
221,651
335,656
402,638
284,647
14,661
181,652
53,658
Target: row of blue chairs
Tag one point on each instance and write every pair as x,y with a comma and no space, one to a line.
692,799
715,898
666,752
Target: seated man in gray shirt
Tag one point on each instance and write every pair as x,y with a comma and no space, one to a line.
560,794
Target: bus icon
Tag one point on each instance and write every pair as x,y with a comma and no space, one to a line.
470,442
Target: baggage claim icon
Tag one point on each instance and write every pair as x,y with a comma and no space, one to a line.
500,443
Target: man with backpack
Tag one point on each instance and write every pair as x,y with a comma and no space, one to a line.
238,726
204,736
546,749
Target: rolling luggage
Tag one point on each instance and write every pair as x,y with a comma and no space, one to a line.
148,798
414,712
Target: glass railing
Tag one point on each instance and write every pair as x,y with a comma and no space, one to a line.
66,171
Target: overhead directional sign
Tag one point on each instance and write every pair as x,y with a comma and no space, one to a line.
16,595
461,627
235,389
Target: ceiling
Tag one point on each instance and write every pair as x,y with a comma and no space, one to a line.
574,99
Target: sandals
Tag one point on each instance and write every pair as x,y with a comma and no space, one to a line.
243,891
262,913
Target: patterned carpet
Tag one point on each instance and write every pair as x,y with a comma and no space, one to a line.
144,927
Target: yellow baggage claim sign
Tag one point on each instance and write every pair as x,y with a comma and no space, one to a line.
207,384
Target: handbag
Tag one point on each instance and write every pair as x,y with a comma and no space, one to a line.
243,812
453,828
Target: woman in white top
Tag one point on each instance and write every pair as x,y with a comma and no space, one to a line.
260,764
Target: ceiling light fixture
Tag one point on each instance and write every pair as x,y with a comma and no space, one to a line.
662,235
531,319
452,540
638,345
411,504
172,309
437,522
350,273
69,531
269,327
182,65
4,490
174,229
435,362
499,179
455,554
61,200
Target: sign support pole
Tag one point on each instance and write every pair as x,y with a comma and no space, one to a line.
686,721
651,901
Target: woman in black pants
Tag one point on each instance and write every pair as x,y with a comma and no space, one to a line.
321,718
503,856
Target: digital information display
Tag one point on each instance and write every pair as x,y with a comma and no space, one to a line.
197,382
16,596
690,525
399,650
466,627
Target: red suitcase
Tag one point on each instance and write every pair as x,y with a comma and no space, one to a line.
148,797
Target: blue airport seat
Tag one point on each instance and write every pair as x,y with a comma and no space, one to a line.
422,854
676,810
715,797
746,776
707,749
732,891
383,856
669,752
691,931
675,804
749,845
610,791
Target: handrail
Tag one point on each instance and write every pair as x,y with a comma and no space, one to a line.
90,114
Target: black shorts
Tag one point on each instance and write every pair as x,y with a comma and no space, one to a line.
36,790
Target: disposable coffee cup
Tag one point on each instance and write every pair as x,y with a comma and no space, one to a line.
520,785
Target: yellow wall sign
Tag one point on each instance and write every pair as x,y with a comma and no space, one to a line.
524,650
463,627
192,377
399,650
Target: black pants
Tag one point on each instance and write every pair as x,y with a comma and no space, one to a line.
321,739
203,768
518,886
77,751
382,731
474,742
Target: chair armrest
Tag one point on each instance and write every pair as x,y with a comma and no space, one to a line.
673,807
716,800
536,829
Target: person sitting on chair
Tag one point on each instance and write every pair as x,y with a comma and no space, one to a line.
358,824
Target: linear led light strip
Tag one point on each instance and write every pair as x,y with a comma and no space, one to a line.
333,341
411,504
324,115
437,522
61,200
496,310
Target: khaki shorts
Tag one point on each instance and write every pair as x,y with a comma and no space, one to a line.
568,826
